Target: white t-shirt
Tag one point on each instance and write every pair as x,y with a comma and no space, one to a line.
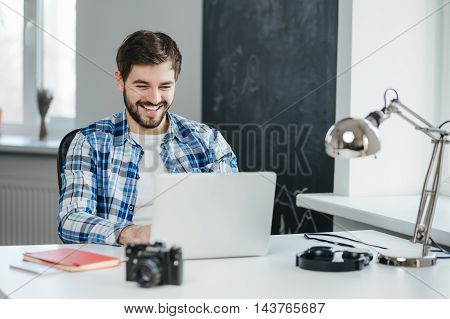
149,166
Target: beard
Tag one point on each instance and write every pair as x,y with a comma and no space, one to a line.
137,112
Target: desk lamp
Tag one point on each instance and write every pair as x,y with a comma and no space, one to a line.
354,137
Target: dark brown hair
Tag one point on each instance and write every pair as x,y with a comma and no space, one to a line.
147,47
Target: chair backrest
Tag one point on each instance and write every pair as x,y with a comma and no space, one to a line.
62,152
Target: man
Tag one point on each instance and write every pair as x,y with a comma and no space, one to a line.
108,177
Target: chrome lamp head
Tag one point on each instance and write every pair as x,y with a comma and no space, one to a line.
352,137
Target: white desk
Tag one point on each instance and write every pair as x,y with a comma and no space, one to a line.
393,213
271,276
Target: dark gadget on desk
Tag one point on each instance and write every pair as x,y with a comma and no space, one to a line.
154,264
324,258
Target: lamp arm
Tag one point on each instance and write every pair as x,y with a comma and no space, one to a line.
429,196
397,103
429,129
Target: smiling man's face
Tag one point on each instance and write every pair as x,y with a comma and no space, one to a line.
148,93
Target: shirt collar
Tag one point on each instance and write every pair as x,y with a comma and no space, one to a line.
174,129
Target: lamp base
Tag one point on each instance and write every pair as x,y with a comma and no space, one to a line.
417,262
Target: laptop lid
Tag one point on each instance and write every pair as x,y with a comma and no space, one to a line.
214,215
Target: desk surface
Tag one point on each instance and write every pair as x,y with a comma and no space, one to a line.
394,213
271,276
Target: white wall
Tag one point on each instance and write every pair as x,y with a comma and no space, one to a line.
410,63
101,27
445,97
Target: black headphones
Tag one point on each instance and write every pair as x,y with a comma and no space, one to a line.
325,258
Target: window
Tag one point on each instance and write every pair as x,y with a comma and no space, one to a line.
59,58
37,50
11,63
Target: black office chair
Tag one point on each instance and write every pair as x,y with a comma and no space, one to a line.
62,152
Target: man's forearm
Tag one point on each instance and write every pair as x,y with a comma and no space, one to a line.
135,234
77,226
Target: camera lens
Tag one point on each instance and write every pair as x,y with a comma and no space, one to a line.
149,272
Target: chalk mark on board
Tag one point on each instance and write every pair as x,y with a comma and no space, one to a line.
285,198
229,69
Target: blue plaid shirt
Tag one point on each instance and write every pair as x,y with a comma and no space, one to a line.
99,177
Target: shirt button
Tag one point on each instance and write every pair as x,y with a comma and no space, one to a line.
131,207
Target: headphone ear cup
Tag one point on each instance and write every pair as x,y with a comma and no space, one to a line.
324,253
356,253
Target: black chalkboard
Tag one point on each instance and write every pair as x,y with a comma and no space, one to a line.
269,70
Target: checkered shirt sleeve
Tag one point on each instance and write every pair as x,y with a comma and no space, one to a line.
78,220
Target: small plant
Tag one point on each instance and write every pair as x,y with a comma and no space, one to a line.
44,98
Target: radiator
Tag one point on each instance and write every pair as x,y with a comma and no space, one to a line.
28,212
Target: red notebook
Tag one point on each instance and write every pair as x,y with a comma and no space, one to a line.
69,259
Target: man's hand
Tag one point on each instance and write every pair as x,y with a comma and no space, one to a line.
135,234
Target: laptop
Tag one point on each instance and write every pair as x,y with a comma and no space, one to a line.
214,215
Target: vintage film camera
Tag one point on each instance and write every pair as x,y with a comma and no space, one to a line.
154,264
